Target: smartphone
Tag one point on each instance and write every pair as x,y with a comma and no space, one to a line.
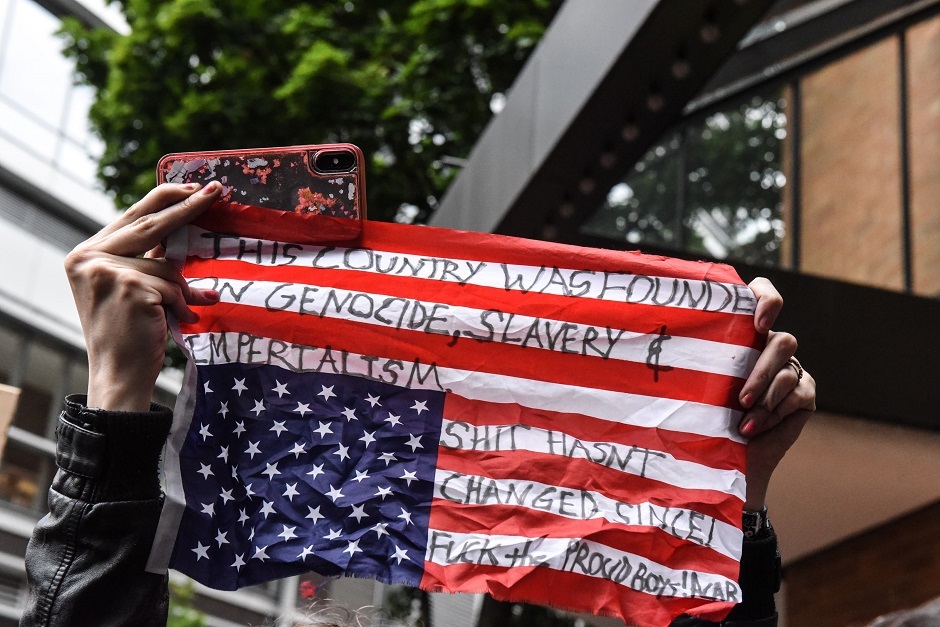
326,179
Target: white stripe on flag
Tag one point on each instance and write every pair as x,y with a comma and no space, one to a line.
641,462
558,335
613,286
578,556
683,524
619,407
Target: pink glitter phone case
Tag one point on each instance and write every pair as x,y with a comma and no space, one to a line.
326,179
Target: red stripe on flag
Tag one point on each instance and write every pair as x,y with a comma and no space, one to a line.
721,327
443,243
567,590
505,359
714,452
651,543
578,474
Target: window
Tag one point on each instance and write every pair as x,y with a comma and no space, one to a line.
713,188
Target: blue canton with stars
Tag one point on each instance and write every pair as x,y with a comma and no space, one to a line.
286,473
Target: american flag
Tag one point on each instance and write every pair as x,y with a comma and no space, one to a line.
461,412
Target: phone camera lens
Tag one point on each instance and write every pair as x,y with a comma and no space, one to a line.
334,161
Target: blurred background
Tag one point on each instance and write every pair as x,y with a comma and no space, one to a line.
794,139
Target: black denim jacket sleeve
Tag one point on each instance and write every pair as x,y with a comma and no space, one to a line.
85,561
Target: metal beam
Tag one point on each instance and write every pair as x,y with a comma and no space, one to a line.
604,83
805,38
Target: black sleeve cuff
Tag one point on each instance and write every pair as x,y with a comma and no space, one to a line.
110,455
759,580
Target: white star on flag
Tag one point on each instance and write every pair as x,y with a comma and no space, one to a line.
379,529
388,457
342,452
271,470
302,408
349,413
317,471
367,437
239,429
227,496
393,419
353,548
220,537
280,388
278,427
323,430
409,476
267,508
223,409
208,508
314,514
406,516
333,534
239,562
253,449
288,533
201,551
326,392
372,400
206,389
259,407
205,471
420,406
260,554
240,386
383,492
400,555
334,493
308,550
291,492
414,442
298,449
358,512
204,432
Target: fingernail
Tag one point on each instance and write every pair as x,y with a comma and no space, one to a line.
192,186
747,427
210,188
212,295
748,400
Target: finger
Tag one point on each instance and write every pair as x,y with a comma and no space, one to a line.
780,348
147,231
783,383
170,295
163,269
769,304
758,420
158,198
803,396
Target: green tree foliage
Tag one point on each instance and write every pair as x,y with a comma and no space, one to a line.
408,81
182,613
713,188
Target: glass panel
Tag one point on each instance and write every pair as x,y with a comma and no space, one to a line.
35,75
644,207
735,182
923,59
850,192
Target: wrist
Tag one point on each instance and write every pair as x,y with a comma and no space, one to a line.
112,393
